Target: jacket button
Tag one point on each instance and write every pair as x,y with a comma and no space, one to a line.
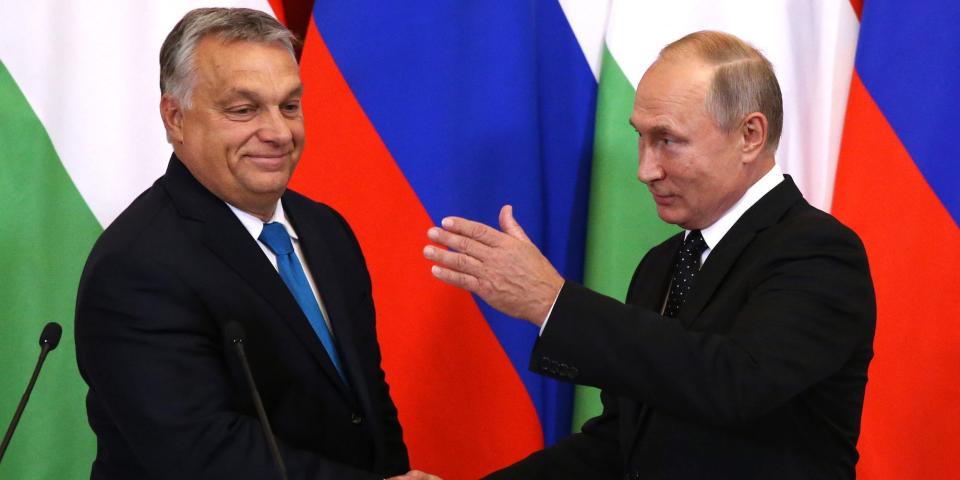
356,419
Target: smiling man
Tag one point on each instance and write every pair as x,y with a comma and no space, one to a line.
219,238
743,347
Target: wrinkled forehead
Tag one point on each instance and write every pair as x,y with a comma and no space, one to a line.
675,79
218,57
674,88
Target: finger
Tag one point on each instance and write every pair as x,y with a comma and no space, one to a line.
510,225
457,279
458,242
475,230
453,260
418,475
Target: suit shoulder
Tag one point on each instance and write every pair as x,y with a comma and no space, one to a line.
136,223
806,221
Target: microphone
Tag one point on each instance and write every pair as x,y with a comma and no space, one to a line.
234,332
49,339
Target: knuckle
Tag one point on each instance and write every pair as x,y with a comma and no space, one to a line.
477,231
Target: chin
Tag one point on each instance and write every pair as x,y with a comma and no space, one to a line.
268,182
672,217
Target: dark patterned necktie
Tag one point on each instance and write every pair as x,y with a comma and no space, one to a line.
685,272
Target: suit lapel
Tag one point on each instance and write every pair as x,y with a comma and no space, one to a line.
650,282
226,237
767,211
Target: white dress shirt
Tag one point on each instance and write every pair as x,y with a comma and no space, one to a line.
254,225
714,233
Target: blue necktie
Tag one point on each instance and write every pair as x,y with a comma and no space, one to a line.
275,236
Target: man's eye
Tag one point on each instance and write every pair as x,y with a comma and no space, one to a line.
666,141
291,108
241,111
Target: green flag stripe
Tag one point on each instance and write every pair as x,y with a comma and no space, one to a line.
46,231
622,223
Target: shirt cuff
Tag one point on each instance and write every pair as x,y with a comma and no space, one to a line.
550,312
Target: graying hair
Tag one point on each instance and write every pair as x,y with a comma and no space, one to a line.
177,69
743,82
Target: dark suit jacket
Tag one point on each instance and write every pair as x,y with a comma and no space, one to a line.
167,396
761,376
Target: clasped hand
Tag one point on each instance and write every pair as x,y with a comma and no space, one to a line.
415,475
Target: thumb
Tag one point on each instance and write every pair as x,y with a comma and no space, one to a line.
509,224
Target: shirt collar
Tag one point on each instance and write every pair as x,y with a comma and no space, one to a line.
714,233
254,225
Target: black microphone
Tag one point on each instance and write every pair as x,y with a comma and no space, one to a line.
49,339
234,332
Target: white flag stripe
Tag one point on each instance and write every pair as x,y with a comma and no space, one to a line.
588,20
811,45
90,72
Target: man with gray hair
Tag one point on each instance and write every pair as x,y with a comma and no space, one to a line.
742,349
217,243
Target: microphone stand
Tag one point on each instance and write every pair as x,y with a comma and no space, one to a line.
258,403
46,344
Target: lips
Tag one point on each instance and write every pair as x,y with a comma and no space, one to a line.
662,199
268,161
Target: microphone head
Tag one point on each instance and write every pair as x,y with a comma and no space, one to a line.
51,335
234,332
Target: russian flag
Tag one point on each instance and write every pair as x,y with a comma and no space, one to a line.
898,186
418,110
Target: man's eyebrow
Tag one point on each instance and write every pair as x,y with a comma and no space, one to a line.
660,130
656,130
237,92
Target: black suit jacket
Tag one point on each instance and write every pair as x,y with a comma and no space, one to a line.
761,376
167,395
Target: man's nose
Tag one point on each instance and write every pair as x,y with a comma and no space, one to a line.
274,127
649,169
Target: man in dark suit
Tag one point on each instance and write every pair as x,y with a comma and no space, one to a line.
220,239
753,366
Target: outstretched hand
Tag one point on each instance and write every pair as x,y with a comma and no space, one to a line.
502,266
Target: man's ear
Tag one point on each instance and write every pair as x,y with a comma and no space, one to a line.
753,134
172,114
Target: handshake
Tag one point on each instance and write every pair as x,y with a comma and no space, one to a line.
415,475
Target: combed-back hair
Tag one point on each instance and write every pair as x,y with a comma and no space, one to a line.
743,82
177,69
